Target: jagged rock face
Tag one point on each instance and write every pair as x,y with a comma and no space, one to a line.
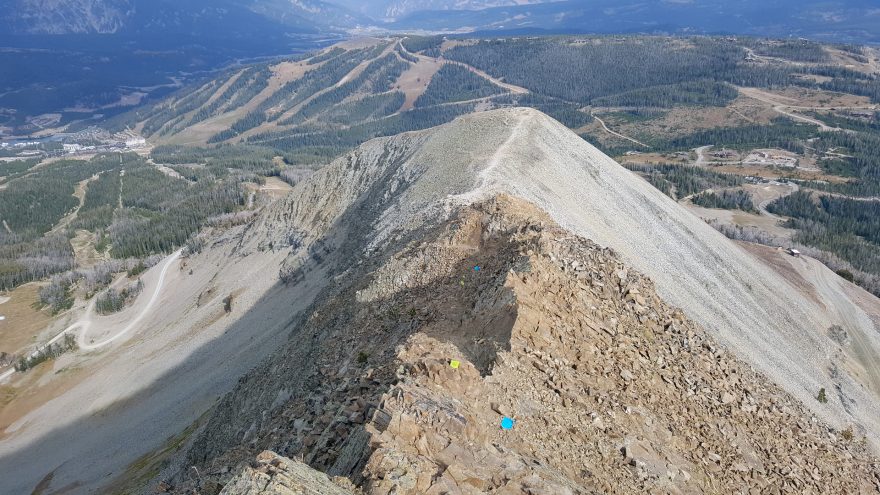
612,390
272,474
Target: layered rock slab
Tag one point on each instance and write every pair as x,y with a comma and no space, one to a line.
271,474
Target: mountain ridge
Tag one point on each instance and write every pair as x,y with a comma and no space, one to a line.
689,260
398,381
410,294
452,219
524,162
195,17
751,309
842,21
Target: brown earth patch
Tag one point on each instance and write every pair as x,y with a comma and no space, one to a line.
23,322
414,81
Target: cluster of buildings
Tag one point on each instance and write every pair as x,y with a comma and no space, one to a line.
724,154
19,145
87,141
768,158
129,144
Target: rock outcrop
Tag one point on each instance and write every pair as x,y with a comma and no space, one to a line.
272,474
609,388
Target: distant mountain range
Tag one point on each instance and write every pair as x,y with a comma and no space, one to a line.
192,17
67,55
831,20
856,21
389,10
66,17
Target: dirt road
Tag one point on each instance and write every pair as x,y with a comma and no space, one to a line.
701,155
762,206
609,131
513,88
80,195
83,324
783,108
494,80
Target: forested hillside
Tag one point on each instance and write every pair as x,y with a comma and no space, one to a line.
333,101
660,96
651,71
133,208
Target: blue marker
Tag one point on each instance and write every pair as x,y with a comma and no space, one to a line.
477,268
507,423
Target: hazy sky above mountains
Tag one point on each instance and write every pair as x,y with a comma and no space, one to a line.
839,20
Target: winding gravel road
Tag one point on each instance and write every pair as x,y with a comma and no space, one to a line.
783,108
609,131
762,206
85,321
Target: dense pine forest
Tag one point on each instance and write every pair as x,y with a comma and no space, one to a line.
727,200
679,181
651,71
847,227
136,209
455,83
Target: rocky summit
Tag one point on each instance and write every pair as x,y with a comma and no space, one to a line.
389,190
400,377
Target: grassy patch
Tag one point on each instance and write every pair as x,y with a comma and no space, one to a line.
149,465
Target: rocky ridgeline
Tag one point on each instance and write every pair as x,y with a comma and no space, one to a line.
611,390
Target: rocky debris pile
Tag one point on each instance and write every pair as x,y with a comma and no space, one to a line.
609,389
7,359
272,474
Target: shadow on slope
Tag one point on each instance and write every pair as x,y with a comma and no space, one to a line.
446,282
94,451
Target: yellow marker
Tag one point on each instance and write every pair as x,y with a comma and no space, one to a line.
455,364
